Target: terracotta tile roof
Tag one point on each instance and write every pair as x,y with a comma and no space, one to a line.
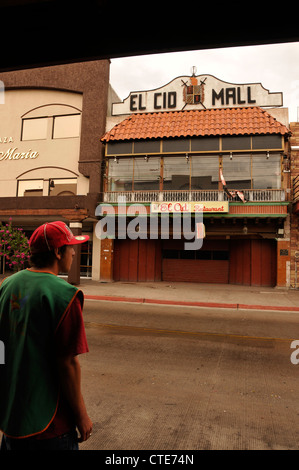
207,122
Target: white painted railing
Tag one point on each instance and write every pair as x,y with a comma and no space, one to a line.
250,195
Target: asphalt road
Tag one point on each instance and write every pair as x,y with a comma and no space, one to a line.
181,378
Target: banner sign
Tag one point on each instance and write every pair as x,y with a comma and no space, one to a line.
179,207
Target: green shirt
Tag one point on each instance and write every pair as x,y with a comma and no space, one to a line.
32,305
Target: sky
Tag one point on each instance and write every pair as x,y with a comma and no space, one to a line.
276,66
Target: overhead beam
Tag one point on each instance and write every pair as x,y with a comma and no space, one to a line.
37,33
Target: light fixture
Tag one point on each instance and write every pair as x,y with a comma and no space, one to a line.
268,155
231,156
115,159
187,157
146,158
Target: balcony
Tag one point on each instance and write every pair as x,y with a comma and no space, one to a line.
250,195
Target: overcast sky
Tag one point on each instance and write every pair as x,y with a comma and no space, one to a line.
275,66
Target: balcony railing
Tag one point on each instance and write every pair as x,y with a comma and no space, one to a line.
250,195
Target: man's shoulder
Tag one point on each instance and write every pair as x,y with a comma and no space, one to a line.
11,278
40,280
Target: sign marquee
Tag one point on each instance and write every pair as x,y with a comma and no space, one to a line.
197,92
181,207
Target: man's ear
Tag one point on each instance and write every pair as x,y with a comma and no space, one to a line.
57,252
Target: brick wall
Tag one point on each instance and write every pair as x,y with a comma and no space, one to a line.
92,80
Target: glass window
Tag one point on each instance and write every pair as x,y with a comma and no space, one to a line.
237,171
187,254
66,126
236,142
204,143
35,129
147,146
204,254
86,259
267,142
30,188
120,174
266,172
176,173
119,148
63,187
220,255
204,172
176,145
146,173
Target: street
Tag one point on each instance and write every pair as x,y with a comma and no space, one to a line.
174,378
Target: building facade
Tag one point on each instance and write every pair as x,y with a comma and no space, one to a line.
69,148
294,213
50,155
198,144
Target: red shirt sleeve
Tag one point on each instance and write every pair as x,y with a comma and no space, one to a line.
70,340
70,335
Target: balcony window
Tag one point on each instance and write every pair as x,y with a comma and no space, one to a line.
176,173
120,176
266,172
194,172
146,173
260,171
237,171
204,172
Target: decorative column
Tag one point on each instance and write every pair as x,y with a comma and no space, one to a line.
283,278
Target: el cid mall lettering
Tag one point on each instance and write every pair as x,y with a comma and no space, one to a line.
168,99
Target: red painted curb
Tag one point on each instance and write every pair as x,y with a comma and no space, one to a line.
191,304
114,299
268,307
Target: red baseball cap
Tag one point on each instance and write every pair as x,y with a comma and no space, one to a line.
54,235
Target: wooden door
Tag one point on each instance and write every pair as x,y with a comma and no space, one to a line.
137,260
253,262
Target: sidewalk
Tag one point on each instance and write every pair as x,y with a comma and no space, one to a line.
201,295
197,295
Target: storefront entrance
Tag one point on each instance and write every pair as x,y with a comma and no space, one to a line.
209,264
253,262
137,260
234,261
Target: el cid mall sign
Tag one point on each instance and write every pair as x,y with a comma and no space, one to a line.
197,92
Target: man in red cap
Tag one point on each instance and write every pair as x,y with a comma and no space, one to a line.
41,326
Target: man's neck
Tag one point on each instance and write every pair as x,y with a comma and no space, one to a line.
49,269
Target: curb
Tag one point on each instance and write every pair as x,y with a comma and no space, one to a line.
236,306
268,307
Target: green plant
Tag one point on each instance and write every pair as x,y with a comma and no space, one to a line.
14,247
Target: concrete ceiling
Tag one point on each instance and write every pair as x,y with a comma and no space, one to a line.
46,32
